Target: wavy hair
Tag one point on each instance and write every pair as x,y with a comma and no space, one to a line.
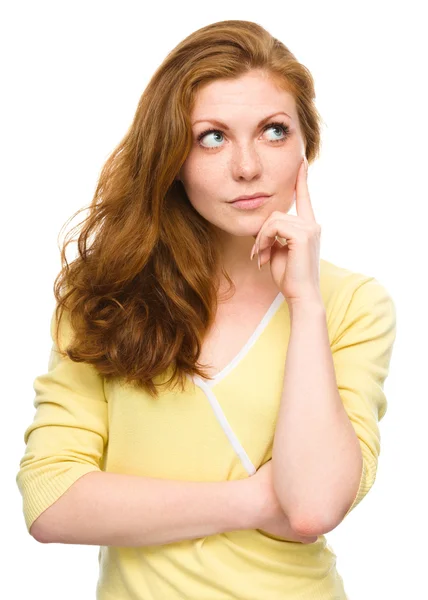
142,292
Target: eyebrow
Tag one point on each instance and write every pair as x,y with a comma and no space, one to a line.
224,126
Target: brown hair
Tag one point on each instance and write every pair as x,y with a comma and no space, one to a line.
142,292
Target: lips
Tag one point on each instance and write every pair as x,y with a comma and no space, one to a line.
258,195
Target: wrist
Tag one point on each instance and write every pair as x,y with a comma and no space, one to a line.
249,504
306,307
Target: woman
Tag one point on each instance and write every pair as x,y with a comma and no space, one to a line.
206,437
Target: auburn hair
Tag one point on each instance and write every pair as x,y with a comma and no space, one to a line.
142,292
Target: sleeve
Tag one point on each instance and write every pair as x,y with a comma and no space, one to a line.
69,431
361,352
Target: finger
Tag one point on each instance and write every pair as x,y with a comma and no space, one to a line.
266,255
278,228
303,200
282,241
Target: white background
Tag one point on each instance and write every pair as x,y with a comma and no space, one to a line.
72,75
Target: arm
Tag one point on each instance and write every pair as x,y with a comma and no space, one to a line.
112,509
68,498
327,440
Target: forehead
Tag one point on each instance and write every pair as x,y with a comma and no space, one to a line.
256,94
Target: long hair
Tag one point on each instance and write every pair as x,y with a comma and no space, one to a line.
142,292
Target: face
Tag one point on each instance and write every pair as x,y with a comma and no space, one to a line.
246,157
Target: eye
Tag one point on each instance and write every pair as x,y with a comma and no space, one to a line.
275,125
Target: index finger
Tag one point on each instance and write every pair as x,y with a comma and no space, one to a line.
303,201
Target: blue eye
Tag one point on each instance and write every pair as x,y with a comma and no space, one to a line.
275,125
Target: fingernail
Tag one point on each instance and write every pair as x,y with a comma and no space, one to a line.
252,251
258,260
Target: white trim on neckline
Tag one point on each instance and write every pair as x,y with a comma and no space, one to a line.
250,342
206,386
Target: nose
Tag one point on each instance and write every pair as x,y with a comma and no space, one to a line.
246,162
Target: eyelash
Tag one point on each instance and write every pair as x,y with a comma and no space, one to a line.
283,126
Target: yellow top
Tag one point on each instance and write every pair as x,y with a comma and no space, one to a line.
218,430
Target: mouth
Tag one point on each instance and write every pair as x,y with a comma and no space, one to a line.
253,196
249,203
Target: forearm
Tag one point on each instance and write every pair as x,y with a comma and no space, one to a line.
110,509
316,454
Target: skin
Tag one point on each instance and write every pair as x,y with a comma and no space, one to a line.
244,160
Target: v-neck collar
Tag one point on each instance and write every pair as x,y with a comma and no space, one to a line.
245,349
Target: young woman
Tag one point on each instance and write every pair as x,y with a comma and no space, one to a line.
207,417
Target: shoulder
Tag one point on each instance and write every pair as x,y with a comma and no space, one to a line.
345,291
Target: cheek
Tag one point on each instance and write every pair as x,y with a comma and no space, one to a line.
289,178
285,172
193,170
202,192
201,180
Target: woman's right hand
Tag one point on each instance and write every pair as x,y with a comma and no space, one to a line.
271,519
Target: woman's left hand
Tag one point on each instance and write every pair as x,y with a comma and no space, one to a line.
295,266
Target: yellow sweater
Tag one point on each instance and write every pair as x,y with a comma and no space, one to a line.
219,430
